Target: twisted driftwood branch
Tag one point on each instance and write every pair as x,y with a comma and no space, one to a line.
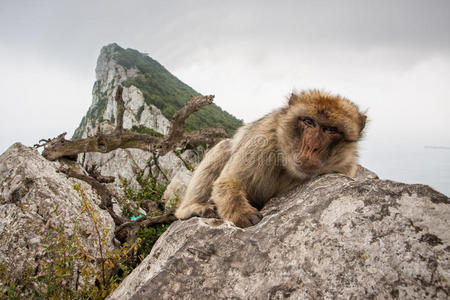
123,138
59,147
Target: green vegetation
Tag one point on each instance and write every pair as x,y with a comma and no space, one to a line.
65,269
169,94
146,130
149,236
163,90
149,190
95,112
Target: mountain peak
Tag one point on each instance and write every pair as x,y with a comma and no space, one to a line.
156,85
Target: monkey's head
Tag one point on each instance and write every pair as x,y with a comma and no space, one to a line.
318,134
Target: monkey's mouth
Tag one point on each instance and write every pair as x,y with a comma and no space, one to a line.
308,165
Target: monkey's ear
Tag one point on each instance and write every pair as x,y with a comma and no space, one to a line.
362,122
292,99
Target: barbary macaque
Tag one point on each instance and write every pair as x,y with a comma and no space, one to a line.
316,133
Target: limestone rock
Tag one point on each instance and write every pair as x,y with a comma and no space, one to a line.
330,238
30,188
126,163
177,187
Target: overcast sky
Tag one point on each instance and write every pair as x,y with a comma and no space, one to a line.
390,57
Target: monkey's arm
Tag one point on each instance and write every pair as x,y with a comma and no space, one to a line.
230,190
195,200
232,204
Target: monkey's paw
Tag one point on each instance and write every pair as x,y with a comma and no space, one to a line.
246,219
204,210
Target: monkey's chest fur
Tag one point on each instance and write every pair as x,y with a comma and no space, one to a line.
260,189
256,161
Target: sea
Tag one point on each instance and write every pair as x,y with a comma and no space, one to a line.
423,164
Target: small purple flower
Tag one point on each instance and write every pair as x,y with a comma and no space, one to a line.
64,282
45,227
56,223
67,253
48,261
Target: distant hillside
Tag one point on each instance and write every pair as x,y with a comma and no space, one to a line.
167,92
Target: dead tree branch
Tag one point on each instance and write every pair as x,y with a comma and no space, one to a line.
120,110
104,193
127,232
59,147
93,172
122,138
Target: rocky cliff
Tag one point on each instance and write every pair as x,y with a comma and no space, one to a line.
34,195
332,238
151,95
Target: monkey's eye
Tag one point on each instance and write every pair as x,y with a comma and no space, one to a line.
309,122
330,129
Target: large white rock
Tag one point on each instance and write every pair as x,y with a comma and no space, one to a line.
30,188
130,162
331,238
177,187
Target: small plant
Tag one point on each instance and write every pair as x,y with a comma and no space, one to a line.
145,130
187,165
150,189
149,236
65,268
108,262
13,288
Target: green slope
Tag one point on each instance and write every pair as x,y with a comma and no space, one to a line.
168,93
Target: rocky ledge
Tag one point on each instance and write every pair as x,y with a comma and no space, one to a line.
331,238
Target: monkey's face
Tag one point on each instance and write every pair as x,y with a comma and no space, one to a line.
318,134
317,140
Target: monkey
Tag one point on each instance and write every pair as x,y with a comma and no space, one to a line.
315,133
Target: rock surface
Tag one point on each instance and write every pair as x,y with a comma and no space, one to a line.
125,163
177,187
330,238
30,188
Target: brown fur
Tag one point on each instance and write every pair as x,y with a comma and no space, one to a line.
315,134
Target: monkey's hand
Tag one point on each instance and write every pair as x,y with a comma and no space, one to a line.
244,217
205,210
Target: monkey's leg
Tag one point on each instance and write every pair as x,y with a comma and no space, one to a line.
232,205
195,201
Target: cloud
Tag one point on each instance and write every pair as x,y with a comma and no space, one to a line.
39,100
390,57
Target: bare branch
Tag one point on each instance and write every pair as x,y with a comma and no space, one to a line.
176,133
104,193
93,172
60,147
42,143
120,109
127,232
123,138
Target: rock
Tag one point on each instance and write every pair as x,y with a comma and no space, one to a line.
125,163
330,238
30,188
363,174
177,187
